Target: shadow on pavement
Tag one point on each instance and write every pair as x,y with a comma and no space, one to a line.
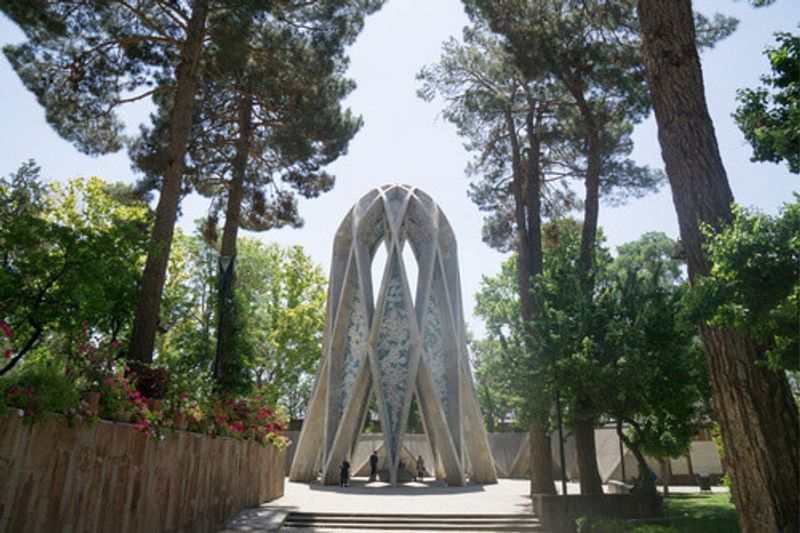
380,488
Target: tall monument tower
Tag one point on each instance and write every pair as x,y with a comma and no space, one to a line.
397,347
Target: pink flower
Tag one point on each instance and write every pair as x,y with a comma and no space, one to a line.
7,354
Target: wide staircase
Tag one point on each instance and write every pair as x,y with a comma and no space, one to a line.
317,521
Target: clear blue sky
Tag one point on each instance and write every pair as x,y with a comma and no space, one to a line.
405,140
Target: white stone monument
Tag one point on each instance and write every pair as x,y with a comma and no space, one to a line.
395,348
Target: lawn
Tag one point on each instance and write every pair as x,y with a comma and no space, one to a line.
696,513
685,513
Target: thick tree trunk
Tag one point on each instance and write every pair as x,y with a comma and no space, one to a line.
227,255
591,482
145,323
541,461
754,407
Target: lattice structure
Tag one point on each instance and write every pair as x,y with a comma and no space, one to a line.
396,347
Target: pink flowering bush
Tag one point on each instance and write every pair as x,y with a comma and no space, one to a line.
246,418
5,342
94,371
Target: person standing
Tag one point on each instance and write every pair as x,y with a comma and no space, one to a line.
420,468
345,474
373,465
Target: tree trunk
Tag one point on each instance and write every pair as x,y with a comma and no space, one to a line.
754,407
227,255
145,323
644,484
527,210
525,187
591,482
591,206
665,475
541,461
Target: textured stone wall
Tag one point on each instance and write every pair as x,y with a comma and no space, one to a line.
108,478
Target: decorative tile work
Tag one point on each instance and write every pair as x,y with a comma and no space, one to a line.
355,346
433,346
394,352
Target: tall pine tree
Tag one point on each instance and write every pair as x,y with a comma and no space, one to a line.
85,60
601,92
268,120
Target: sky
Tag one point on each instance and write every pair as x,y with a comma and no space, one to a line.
405,140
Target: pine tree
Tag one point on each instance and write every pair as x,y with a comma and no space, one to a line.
85,60
602,93
268,121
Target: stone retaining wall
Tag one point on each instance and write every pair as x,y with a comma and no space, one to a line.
109,478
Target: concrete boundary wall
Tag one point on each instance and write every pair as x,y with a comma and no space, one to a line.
54,477
511,455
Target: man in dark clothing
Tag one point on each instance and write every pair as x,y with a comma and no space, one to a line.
373,465
345,477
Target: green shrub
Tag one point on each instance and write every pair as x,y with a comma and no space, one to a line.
39,391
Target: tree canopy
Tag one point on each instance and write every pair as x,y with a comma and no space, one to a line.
71,254
769,116
619,353
754,284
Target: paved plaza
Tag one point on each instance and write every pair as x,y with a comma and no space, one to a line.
507,497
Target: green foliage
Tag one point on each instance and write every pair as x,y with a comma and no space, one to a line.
494,397
284,316
39,390
187,312
616,353
754,285
278,122
83,61
524,374
769,116
280,313
70,253
526,117
650,330
573,321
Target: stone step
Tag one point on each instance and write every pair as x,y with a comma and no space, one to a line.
412,522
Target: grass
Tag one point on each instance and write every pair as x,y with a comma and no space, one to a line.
696,513
684,513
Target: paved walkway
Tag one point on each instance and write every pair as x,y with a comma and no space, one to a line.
508,496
